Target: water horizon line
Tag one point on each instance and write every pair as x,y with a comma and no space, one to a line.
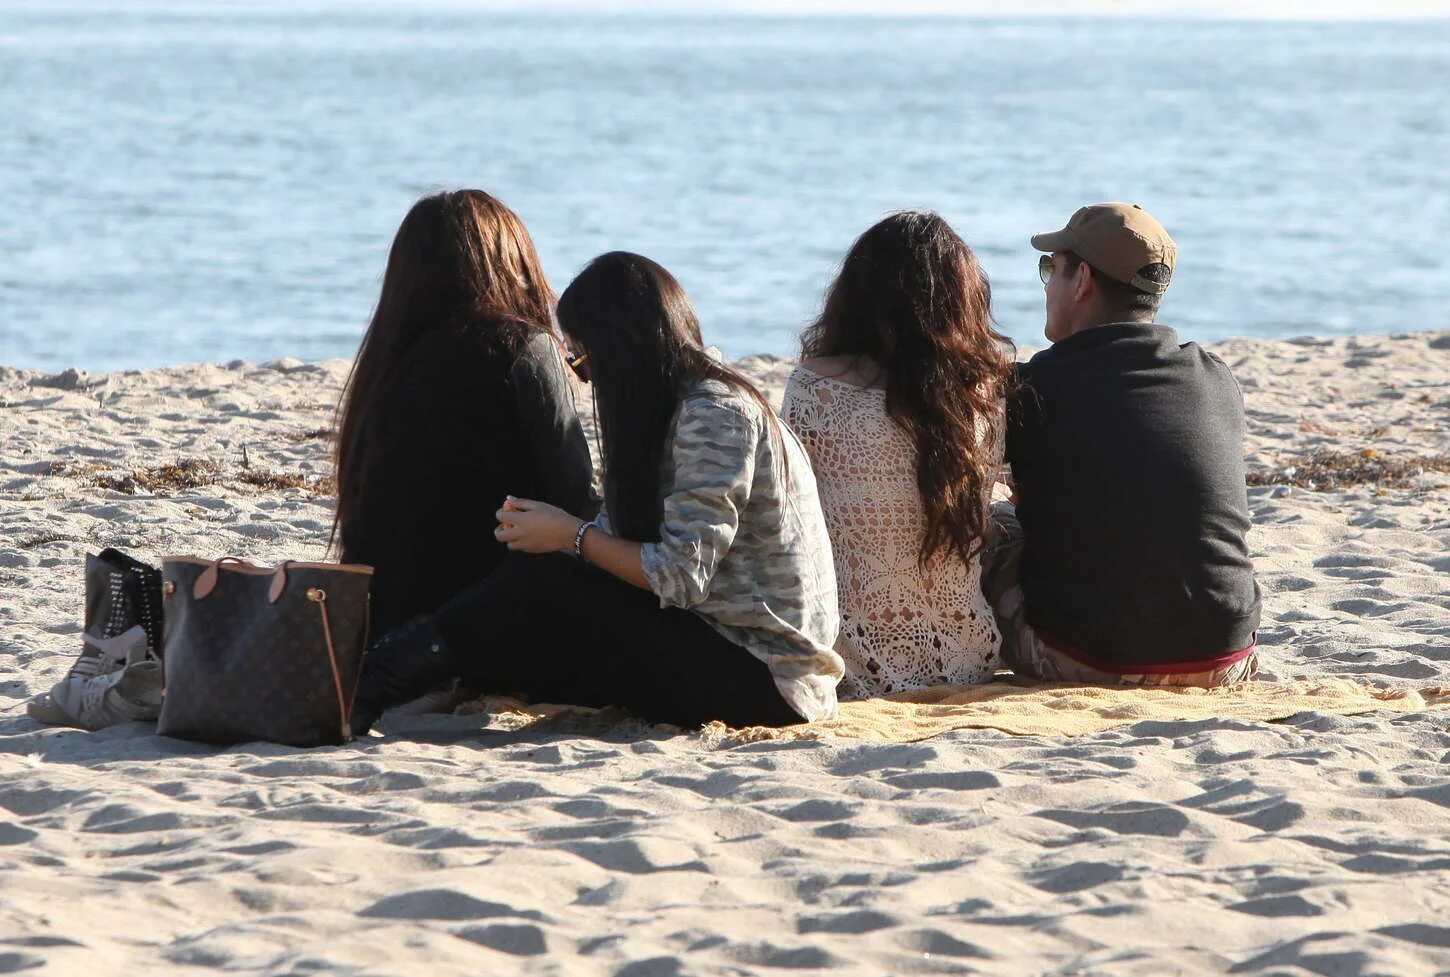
1283,11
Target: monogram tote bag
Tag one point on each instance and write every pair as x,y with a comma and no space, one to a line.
262,653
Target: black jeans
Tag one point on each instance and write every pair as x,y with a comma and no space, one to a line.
557,630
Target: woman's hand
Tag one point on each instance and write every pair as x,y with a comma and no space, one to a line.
535,527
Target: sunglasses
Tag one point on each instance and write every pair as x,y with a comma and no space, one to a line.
1045,268
576,363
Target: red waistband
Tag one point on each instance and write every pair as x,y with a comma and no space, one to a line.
1172,668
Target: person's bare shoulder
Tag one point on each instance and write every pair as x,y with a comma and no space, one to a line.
855,370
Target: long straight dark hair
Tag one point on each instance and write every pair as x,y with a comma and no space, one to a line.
635,323
460,259
912,298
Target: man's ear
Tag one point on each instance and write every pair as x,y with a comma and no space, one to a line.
1083,286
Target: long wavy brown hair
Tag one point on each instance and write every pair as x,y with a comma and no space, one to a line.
912,298
460,260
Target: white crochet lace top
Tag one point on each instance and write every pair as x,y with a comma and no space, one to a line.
902,626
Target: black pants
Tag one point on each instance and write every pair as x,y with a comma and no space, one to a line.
558,630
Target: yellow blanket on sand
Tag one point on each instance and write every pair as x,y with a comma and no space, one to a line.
1036,709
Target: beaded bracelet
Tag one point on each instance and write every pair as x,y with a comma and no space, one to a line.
584,527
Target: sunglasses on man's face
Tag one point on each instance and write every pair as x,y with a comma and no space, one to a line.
1045,268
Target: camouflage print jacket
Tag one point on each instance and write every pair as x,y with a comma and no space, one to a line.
744,545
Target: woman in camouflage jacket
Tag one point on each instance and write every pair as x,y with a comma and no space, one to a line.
705,589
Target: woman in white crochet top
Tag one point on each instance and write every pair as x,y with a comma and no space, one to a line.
899,402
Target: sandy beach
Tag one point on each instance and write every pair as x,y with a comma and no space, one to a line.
452,845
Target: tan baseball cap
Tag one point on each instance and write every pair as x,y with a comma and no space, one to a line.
1118,240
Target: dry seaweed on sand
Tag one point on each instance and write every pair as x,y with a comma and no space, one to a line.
190,473
1325,469
41,539
73,469
187,473
318,434
285,480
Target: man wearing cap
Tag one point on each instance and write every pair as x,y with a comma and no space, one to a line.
1126,449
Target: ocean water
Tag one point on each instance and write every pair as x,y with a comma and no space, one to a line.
202,183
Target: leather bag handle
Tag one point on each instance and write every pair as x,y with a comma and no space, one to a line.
207,582
344,708
279,582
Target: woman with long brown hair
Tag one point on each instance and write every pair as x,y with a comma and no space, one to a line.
459,395
703,591
899,402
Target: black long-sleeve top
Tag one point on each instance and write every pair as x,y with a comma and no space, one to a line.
1127,452
466,419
